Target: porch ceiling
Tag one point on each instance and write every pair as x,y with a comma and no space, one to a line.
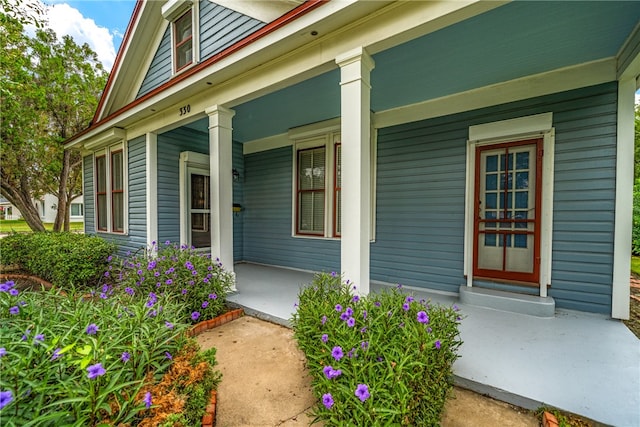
512,41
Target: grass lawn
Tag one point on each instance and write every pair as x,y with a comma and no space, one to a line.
20,226
635,265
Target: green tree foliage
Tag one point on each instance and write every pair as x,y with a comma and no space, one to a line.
49,90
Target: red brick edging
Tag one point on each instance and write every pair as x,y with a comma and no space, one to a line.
209,418
549,420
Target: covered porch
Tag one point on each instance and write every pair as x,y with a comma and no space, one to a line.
583,363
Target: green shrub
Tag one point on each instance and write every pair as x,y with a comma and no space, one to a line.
379,360
183,273
65,259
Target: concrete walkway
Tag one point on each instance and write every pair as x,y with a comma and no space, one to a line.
265,383
581,363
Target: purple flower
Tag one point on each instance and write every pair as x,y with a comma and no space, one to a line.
13,292
194,273
405,306
338,308
213,296
408,299
377,303
6,397
331,373
205,304
168,242
334,274
14,310
363,330
168,324
92,329
364,314
327,400
337,352
344,316
349,311
422,317
125,356
168,281
437,344
364,345
184,292
3,351
103,295
325,338
139,272
323,320
39,337
147,399
168,355
455,307
355,298
362,392
95,371
351,322
351,353
195,315
56,354
156,274
129,291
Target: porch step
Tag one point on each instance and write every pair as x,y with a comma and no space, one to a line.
508,301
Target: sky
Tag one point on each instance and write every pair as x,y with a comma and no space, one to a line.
99,23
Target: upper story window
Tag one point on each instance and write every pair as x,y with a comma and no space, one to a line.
109,189
183,18
183,41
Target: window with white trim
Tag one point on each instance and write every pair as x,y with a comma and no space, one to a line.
317,180
77,209
183,18
110,189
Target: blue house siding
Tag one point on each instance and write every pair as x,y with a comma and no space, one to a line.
219,28
136,196
170,145
238,198
159,71
267,217
420,197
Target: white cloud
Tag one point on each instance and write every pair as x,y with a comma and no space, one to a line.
66,20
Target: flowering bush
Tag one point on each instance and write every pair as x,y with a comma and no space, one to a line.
71,360
175,271
379,360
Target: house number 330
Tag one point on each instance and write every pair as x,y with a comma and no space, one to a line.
185,109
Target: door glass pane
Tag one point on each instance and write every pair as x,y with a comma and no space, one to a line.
200,232
200,192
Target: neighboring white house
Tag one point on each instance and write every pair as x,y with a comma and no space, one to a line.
46,206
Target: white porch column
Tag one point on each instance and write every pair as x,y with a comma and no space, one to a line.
624,200
151,164
220,155
355,105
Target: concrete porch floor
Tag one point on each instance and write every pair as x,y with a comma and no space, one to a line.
582,363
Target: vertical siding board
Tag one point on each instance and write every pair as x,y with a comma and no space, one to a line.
170,145
420,197
267,217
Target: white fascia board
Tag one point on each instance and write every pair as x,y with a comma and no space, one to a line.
555,81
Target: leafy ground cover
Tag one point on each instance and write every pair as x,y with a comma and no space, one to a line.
117,355
20,226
